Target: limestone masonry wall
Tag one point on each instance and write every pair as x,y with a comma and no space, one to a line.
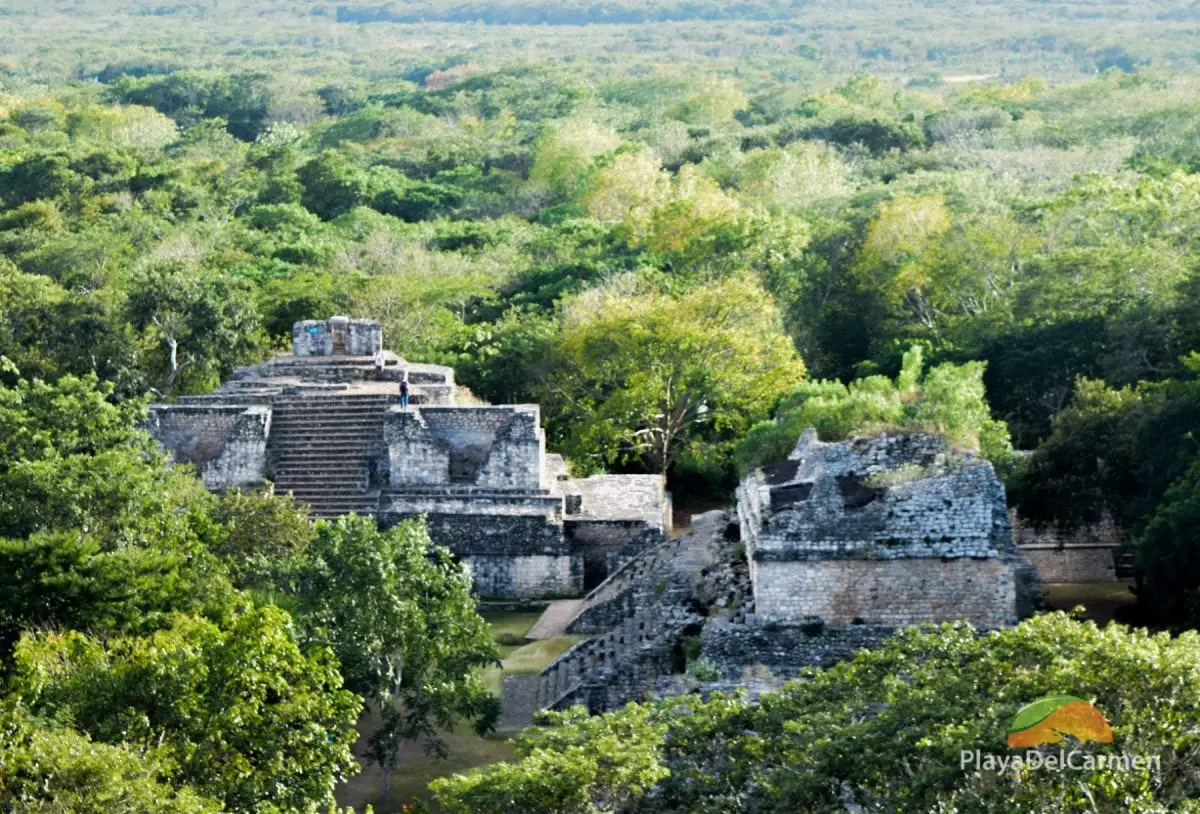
891,530
337,335
525,577
226,443
785,651
498,447
1081,555
480,475
888,592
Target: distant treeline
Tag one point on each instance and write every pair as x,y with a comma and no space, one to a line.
538,13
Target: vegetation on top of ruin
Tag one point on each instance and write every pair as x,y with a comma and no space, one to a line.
948,399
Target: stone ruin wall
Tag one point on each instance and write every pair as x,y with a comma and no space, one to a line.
889,530
736,650
480,474
475,473
226,443
1086,554
317,337
606,513
888,592
496,447
526,576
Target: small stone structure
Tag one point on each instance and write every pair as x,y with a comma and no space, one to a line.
889,530
338,336
326,425
829,553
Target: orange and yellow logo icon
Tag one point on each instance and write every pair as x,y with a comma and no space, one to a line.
1049,719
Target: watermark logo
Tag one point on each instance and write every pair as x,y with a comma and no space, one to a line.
1050,721
1047,720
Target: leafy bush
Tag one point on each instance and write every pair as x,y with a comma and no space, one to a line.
884,731
948,399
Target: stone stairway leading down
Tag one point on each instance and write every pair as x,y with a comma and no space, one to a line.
320,446
638,619
664,570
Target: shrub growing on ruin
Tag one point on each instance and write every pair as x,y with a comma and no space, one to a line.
947,399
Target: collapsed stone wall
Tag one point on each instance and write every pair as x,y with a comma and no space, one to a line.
226,443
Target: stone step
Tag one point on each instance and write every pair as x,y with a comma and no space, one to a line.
337,401
323,448
330,413
340,428
302,467
317,478
323,417
336,501
333,407
327,432
341,463
318,482
331,495
324,443
344,463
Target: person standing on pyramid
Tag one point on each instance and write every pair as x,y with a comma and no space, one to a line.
379,363
404,391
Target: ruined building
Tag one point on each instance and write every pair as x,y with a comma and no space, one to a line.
887,530
828,552
325,425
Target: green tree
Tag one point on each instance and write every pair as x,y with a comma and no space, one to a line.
72,460
45,769
399,614
67,581
332,185
1170,591
581,764
637,376
199,324
261,535
242,713
947,399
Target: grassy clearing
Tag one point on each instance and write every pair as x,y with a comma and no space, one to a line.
410,779
510,624
1100,600
532,657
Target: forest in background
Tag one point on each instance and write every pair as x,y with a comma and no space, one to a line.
686,230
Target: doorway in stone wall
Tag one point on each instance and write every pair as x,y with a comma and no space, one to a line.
340,331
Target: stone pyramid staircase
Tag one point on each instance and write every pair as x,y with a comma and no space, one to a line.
320,446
